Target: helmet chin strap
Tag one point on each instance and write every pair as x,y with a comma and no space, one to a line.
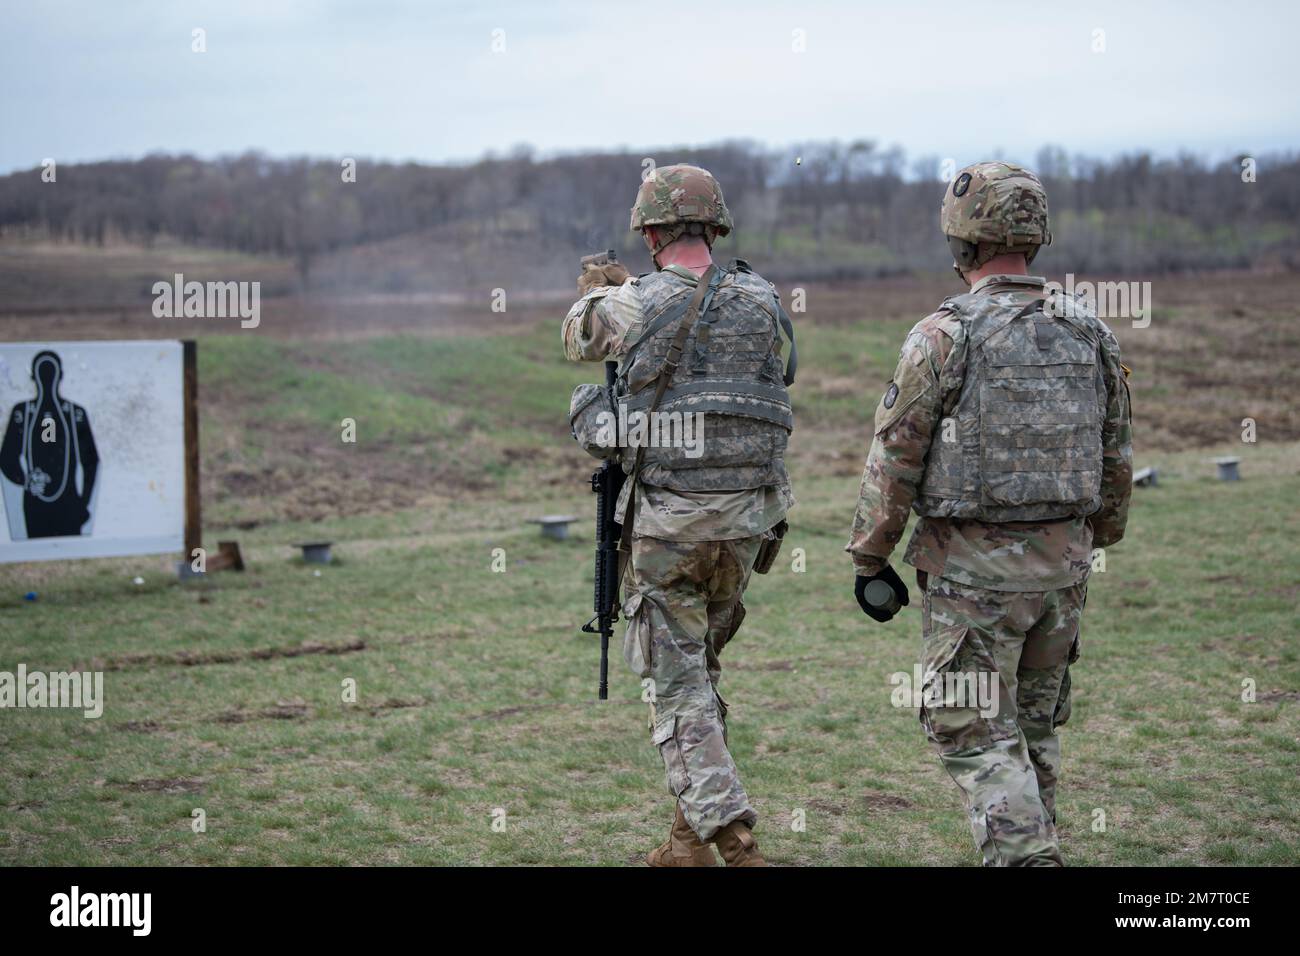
966,255
668,235
654,248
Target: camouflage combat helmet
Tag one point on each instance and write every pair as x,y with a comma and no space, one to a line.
994,208
681,200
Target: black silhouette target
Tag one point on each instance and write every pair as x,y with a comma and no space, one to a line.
49,453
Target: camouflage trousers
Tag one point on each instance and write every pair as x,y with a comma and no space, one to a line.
1003,752
682,605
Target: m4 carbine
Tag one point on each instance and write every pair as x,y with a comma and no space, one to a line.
606,483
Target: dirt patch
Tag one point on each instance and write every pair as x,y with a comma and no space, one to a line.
281,711
141,726
763,666
172,785
1222,578
194,659
503,712
394,703
1268,696
306,480
826,806
871,801
421,638
886,801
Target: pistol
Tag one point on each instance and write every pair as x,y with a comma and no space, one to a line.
599,258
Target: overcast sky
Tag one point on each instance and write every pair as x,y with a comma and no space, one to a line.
401,79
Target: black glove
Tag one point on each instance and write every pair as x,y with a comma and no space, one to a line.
888,575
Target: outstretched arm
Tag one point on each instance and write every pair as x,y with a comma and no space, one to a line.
601,324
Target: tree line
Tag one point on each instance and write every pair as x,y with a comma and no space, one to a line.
842,210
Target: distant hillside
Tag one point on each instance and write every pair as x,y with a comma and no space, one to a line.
845,211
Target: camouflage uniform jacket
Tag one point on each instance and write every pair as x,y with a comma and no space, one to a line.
1016,556
604,324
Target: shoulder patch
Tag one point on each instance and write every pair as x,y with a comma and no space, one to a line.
909,383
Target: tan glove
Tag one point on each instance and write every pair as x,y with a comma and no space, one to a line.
593,277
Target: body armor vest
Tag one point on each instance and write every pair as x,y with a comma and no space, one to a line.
1022,442
730,371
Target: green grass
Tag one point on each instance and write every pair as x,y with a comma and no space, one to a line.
477,692
442,415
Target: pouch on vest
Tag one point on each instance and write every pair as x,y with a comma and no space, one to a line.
593,421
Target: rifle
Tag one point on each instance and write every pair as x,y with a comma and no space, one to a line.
606,483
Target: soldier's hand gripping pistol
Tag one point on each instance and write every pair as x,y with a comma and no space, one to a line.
602,268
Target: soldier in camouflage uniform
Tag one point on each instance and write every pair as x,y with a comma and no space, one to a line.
1006,428
698,522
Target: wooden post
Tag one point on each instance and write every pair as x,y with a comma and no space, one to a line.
193,511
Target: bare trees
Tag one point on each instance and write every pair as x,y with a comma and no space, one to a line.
843,208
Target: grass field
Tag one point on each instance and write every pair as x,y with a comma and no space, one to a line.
476,693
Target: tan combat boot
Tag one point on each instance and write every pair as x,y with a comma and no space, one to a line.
736,844
683,848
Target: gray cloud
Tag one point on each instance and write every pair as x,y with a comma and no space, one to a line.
407,80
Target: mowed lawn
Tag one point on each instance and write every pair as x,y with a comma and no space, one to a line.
476,693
